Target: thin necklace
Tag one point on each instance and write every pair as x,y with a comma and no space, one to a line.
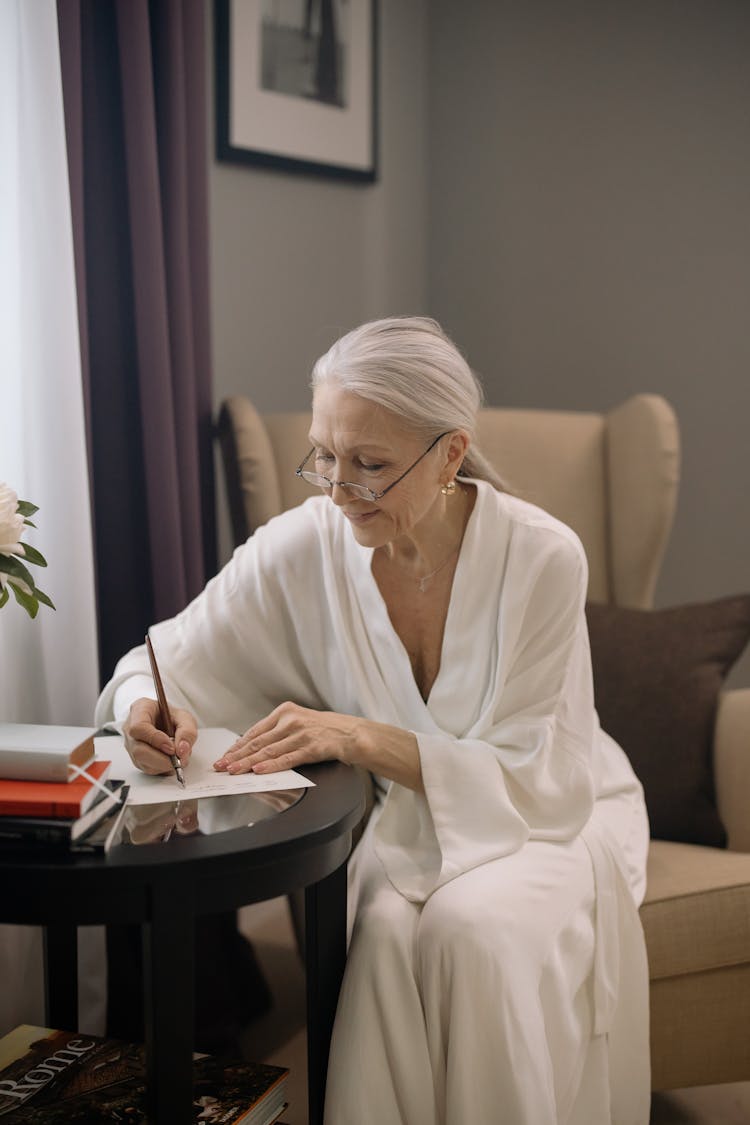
427,577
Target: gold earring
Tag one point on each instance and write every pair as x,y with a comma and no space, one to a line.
449,488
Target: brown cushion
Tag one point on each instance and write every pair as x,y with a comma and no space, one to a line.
657,677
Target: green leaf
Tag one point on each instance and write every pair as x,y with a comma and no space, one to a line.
29,523
26,509
31,555
44,598
28,601
12,565
4,595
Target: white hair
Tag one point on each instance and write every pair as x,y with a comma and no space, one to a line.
409,366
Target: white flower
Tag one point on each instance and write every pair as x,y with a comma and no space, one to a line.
15,576
11,522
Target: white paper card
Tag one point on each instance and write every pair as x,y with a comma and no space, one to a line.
201,779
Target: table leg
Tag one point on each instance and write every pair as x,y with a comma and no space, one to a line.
169,1005
61,976
325,958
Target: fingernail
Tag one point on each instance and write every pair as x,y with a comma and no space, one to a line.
184,748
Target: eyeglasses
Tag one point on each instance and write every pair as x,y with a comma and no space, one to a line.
361,491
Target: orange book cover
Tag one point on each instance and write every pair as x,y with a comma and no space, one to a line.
52,798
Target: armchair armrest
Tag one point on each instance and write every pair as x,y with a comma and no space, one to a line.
252,483
732,766
643,470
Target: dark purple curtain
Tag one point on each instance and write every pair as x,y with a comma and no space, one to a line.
135,111
134,87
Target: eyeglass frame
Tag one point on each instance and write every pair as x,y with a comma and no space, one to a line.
373,496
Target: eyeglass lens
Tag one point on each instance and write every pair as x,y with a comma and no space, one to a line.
360,490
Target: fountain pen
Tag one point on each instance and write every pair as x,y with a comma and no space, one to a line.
164,713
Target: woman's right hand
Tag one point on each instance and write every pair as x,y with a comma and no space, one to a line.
149,747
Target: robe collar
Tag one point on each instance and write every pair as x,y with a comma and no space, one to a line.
469,638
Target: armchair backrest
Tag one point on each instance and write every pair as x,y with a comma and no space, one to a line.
612,477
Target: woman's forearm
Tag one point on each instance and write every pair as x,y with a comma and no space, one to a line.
388,751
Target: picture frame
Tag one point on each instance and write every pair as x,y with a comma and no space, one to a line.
296,85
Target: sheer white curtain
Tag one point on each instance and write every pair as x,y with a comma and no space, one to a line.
48,667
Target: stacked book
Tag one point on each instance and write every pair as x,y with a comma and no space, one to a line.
53,793
49,1076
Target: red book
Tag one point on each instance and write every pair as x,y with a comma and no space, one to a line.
52,798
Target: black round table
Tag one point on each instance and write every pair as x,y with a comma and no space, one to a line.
164,888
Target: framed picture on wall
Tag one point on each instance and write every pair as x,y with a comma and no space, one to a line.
296,85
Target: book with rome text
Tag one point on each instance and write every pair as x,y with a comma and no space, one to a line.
50,1077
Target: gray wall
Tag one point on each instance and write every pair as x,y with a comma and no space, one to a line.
589,231
296,260
566,186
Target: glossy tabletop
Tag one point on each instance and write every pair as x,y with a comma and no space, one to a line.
164,886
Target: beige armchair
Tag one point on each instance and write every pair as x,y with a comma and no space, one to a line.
613,478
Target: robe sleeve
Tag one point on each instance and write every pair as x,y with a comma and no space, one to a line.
525,769
234,653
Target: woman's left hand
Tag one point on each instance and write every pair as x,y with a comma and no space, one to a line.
292,736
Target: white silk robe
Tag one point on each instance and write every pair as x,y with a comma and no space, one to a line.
496,968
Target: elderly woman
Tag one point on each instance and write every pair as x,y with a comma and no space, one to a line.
419,621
